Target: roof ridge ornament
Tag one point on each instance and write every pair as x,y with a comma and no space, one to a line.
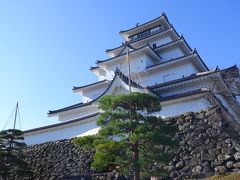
181,37
163,14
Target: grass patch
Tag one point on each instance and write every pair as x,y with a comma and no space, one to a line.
232,176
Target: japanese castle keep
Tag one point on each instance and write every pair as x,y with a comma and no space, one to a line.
158,61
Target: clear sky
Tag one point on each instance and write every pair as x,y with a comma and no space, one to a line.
47,47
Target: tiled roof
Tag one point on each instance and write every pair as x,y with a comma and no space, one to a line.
80,87
70,107
124,78
171,60
101,61
185,94
118,73
91,68
161,46
163,15
61,124
174,42
166,98
193,76
150,35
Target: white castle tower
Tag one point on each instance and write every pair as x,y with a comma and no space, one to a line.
158,61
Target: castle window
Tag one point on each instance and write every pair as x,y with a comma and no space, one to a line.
146,33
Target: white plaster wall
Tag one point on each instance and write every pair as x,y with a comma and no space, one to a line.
137,64
116,52
86,99
81,128
168,74
171,53
90,94
163,40
77,113
185,106
102,75
150,61
57,134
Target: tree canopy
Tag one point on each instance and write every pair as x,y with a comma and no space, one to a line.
12,164
132,136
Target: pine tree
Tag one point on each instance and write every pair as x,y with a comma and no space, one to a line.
12,162
132,137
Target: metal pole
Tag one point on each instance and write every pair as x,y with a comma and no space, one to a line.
15,116
129,72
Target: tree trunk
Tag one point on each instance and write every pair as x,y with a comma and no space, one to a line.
135,158
137,174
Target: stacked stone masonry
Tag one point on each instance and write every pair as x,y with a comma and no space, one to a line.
58,159
208,144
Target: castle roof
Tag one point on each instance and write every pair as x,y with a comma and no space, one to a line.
147,47
88,85
75,106
171,28
118,74
144,26
185,94
194,53
91,68
191,77
58,125
172,43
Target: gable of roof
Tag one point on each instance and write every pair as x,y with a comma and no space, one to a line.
124,79
119,74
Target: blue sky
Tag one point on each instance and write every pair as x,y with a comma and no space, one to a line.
47,47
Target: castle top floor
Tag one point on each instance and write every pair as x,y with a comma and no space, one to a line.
151,27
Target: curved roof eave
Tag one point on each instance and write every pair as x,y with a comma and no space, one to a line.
88,85
61,124
163,15
184,94
154,34
78,105
121,55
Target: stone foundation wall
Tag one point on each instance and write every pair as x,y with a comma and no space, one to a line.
55,160
209,144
